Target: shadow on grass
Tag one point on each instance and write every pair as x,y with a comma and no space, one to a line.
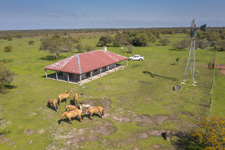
52,108
88,116
5,88
10,86
185,141
156,75
52,58
177,49
67,120
49,75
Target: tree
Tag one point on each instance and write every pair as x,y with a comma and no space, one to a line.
56,45
120,40
131,48
140,39
6,76
104,40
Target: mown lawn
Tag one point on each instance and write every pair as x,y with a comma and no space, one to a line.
141,89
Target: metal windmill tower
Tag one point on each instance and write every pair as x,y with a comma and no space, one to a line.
190,66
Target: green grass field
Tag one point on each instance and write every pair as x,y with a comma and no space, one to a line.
138,90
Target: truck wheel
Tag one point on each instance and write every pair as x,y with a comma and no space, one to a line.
141,59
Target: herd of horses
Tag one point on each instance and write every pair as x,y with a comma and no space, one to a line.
75,110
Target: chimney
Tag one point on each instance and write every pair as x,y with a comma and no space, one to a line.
104,48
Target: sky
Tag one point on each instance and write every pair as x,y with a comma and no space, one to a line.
80,14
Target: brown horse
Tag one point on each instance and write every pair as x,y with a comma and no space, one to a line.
72,114
52,102
75,98
95,109
73,107
64,96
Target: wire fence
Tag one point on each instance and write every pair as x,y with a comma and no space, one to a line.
210,102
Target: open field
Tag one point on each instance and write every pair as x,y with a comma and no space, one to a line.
139,101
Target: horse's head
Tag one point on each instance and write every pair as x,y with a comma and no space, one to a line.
70,91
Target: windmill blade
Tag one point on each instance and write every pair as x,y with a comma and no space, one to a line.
203,27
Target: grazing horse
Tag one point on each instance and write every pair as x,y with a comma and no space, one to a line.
64,96
52,102
72,114
72,107
95,109
75,98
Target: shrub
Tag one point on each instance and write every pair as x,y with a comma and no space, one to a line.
220,45
202,44
183,44
88,48
80,48
8,48
6,76
211,134
164,42
31,42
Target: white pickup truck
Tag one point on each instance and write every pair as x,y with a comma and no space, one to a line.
136,57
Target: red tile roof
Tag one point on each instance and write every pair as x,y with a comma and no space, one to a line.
85,62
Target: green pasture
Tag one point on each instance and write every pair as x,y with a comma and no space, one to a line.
142,88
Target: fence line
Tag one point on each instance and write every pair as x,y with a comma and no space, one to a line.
210,102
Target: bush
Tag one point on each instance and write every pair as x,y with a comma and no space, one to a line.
211,134
80,48
6,76
220,45
88,48
183,44
8,48
164,42
202,44
31,42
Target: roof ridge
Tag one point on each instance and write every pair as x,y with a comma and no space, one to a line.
78,59
110,55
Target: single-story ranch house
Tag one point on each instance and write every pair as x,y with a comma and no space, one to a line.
79,67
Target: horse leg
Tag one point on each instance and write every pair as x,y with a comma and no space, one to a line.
70,121
102,113
48,105
56,107
80,117
91,116
75,102
59,100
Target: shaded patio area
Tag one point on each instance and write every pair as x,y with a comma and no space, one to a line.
75,79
